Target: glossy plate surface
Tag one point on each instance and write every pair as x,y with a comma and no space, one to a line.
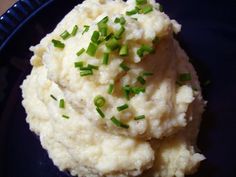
208,36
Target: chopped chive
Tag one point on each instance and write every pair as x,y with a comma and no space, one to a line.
86,72
108,36
124,50
112,44
139,117
100,112
84,68
137,90
141,80
110,88
147,9
74,30
65,35
183,77
119,33
144,49
105,58
122,107
161,8
65,116
104,20
145,73
126,90
124,66
117,20
102,27
132,12
122,20
80,52
86,28
92,48
119,123
58,44
92,67
53,97
61,103
99,101
141,2
78,64
95,36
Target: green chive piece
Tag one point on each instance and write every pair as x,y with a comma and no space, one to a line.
161,8
141,2
80,52
58,44
105,58
117,20
62,103
65,116
126,90
95,37
53,97
119,33
137,90
122,20
124,50
74,30
144,49
141,80
139,117
122,107
92,67
112,44
99,101
147,9
104,20
92,48
109,36
183,77
132,12
145,73
124,66
100,112
110,88
86,28
102,27
119,123
65,35
86,72
79,64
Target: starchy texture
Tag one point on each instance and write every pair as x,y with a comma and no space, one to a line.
111,93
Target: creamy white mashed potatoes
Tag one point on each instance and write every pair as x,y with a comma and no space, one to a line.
91,140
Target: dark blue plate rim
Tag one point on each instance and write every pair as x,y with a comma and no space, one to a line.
16,16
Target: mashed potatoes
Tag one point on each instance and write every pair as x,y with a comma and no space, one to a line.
111,93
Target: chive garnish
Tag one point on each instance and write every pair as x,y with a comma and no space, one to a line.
119,123
124,66
108,36
119,33
74,30
105,58
144,49
183,77
95,37
137,90
120,20
147,9
65,35
132,12
145,73
61,103
100,112
99,101
92,48
53,97
86,72
58,44
110,88
124,50
117,20
161,8
126,90
65,116
104,20
141,2
139,117
78,64
90,66
86,28
122,107
102,26
112,44
141,80
80,52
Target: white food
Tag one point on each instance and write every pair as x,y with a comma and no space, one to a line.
162,144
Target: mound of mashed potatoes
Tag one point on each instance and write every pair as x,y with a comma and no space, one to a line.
112,94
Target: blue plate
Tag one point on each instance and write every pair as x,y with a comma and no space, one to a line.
208,36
